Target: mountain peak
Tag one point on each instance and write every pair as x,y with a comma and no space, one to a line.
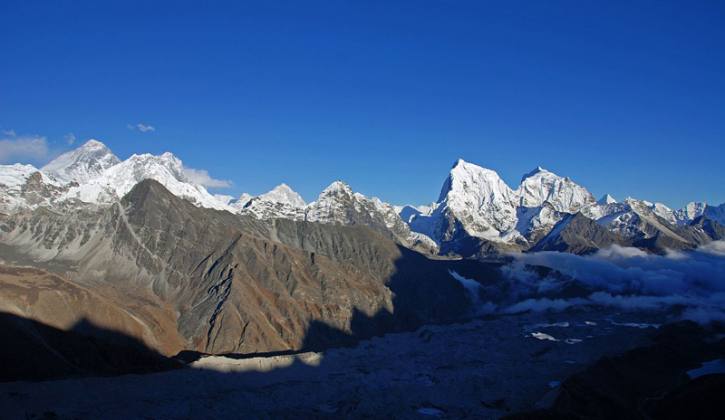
83,163
282,193
540,186
93,144
462,165
337,187
459,162
535,171
479,196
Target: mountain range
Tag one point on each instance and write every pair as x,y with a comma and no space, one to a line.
476,214
138,247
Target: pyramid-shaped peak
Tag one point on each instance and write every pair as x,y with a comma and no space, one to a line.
282,193
337,187
83,163
93,144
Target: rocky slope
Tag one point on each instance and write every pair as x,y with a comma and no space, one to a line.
236,284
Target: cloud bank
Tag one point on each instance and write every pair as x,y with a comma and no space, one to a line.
14,148
692,283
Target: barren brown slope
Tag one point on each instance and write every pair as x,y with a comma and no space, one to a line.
235,284
59,303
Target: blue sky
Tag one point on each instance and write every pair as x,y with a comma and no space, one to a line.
623,97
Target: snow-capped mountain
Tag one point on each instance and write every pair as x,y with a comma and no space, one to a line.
338,204
476,212
18,181
638,219
693,210
280,202
476,202
541,186
82,164
283,194
93,174
480,200
114,182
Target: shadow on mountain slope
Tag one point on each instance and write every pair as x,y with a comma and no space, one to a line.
32,350
647,382
422,290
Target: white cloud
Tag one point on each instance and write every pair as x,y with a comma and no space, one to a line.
714,248
202,177
692,283
14,148
70,138
144,128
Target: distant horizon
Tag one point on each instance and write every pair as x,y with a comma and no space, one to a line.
626,99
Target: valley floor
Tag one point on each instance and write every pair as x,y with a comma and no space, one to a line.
485,368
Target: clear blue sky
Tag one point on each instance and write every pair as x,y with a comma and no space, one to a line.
624,97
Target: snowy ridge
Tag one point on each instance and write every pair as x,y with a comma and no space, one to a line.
475,202
93,174
485,207
117,180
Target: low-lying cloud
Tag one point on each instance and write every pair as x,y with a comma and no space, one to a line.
626,278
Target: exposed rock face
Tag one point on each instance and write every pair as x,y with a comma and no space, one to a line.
709,227
236,284
579,235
